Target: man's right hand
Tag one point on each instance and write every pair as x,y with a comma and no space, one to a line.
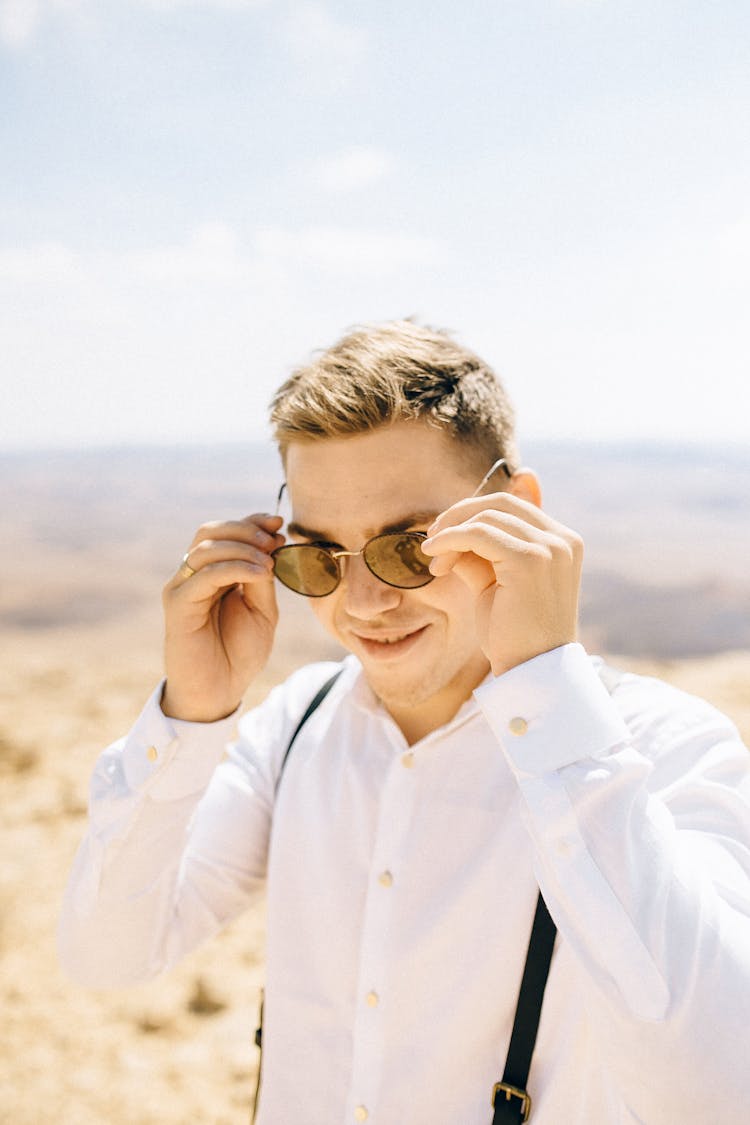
220,620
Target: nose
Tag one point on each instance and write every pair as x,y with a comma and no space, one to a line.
364,595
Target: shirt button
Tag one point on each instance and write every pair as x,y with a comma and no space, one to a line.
407,760
360,1113
385,879
518,725
373,999
152,753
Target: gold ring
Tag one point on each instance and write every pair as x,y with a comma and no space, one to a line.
186,570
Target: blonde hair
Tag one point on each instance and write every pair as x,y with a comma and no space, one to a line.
384,373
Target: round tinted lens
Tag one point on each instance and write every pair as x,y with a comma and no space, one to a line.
306,569
397,559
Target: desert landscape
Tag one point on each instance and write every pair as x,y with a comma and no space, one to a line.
90,538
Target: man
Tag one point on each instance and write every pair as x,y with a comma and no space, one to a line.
468,755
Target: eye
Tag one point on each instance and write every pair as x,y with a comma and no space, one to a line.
327,546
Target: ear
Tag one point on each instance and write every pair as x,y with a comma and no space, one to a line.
525,484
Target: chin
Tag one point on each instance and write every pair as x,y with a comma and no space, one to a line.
402,686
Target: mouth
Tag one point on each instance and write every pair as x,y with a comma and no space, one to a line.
389,646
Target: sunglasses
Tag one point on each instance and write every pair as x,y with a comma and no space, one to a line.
395,558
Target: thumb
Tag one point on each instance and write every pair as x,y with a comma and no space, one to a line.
477,573
260,596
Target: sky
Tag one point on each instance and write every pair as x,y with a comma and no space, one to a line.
197,194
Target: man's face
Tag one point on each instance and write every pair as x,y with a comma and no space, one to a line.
418,647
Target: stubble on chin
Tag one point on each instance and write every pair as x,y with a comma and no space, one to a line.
399,688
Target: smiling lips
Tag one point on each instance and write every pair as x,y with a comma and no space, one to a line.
388,645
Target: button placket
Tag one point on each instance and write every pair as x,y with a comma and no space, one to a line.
394,818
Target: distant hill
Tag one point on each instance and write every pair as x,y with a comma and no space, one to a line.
94,534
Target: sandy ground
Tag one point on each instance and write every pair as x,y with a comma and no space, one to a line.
179,1049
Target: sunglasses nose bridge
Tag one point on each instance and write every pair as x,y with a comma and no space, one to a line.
338,555
342,554
347,554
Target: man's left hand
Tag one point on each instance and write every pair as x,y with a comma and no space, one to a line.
523,567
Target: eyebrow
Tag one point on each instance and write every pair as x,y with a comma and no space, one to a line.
411,520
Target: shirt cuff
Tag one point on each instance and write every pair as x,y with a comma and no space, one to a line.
172,758
551,711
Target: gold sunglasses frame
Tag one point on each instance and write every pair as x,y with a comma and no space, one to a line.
501,463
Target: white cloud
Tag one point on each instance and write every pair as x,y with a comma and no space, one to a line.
227,5
652,343
119,345
39,265
354,168
341,250
733,243
318,38
19,20
210,254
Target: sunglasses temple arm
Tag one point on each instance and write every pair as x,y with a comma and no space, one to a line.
278,498
500,464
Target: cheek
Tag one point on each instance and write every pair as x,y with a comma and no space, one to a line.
450,597
324,609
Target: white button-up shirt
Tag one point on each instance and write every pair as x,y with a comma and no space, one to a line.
402,882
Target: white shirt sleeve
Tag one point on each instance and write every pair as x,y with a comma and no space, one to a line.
638,809
178,836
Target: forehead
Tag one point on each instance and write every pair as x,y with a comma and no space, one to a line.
357,485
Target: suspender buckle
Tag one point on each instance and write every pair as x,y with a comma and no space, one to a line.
513,1092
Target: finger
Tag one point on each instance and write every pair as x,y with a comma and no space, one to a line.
240,539
490,520
443,563
444,560
494,543
208,554
504,502
249,529
212,551
242,604
476,573
215,578
259,596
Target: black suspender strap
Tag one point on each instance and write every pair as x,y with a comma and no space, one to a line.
313,705
510,1099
